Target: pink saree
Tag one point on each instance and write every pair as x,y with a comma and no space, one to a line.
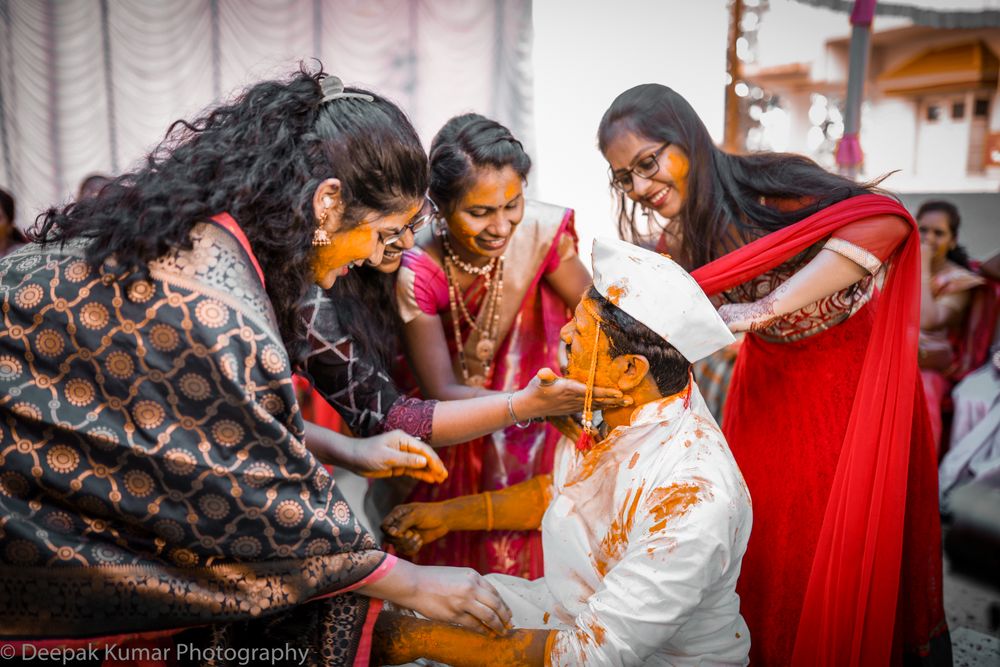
531,318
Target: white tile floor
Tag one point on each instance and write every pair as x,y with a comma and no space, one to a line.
973,612
974,649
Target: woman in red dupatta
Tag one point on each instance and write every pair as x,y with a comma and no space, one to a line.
825,414
482,302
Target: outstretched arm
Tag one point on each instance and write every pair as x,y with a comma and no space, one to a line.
856,250
518,507
570,280
546,395
827,273
427,352
386,455
458,595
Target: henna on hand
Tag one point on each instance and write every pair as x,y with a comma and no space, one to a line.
761,313
753,316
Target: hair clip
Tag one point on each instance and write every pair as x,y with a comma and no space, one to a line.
333,89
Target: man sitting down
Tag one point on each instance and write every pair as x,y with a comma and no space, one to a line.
643,531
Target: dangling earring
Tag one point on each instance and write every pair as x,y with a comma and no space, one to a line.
440,227
320,237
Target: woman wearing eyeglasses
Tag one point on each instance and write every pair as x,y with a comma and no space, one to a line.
353,331
823,412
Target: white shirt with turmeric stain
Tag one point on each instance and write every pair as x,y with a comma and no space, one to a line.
643,543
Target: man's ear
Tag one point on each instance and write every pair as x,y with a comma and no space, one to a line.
628,370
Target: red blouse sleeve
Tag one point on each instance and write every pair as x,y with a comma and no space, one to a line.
412,415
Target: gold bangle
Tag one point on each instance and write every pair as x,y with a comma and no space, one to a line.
487,496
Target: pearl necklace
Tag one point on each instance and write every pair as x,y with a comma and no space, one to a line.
484,270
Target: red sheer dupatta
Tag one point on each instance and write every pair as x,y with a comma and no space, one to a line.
850,605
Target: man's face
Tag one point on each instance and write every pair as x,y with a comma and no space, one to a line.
579,337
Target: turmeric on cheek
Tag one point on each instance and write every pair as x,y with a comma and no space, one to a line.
345,247
590,344
678,167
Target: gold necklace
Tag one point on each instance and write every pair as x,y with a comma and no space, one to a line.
486,324
484,270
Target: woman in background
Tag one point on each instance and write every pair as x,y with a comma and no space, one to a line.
947,287
11,237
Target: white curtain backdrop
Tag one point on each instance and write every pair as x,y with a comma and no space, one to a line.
92,85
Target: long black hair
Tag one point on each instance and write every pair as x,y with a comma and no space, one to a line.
365,302
261,158
724,206
958,254
667,366
465,144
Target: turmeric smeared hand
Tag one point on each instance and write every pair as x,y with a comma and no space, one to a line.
410,527
395,454
550,395
546,376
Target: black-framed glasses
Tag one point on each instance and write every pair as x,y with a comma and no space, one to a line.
428,213
646,167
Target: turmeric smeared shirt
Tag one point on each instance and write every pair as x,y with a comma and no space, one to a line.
643,541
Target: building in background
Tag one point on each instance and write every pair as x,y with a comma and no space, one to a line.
930,106
930,116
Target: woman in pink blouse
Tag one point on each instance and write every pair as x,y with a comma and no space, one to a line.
482,297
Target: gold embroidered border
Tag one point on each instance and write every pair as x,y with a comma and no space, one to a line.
71,602
855,253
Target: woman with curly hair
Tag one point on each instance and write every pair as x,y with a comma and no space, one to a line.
156,469
823,412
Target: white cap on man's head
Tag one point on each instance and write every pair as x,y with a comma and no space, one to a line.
655,290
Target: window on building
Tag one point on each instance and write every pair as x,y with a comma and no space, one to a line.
933,112
982,108
958,110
